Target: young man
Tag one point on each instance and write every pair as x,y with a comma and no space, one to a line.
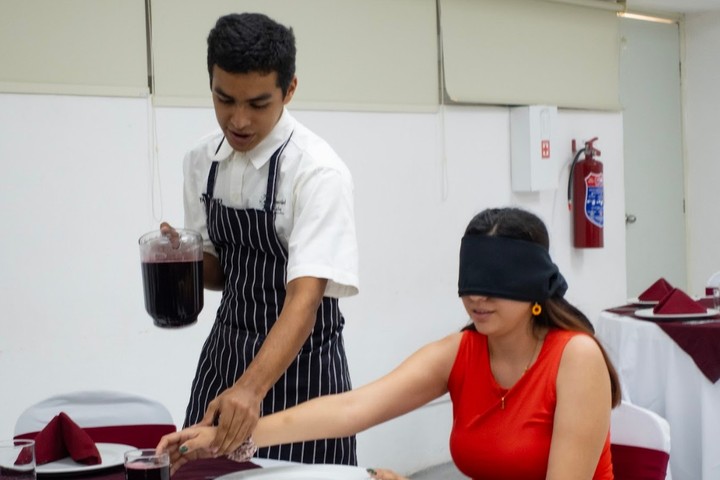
274,204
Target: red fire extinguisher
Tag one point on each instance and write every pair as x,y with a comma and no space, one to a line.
586,197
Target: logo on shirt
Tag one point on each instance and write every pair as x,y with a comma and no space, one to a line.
279,206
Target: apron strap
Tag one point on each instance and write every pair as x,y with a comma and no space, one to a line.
272,176
210,189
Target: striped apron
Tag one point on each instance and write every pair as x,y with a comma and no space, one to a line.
254,262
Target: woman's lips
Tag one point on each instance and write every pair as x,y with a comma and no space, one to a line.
481,313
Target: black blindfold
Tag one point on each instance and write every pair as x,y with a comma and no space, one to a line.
507,268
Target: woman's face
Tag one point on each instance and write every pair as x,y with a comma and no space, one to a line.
496,315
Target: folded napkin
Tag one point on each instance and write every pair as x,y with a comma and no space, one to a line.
678,302
61,438
656,291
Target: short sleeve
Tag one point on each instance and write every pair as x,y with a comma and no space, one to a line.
323,241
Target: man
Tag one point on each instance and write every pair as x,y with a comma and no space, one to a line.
274,204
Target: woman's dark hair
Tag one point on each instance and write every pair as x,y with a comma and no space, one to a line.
556,312
252,42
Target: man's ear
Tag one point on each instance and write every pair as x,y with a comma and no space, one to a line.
290,90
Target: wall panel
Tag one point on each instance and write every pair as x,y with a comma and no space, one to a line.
524,52
352,55
88,47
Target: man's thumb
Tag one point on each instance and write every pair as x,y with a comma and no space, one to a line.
210,417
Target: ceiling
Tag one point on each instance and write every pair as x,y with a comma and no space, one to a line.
674,6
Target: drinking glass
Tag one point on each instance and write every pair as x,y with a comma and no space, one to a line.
172,272
145,464
17,460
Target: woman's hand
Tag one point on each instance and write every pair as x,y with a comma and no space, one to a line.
191,443
384,474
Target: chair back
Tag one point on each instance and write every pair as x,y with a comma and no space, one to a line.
640,443
107,416
712,283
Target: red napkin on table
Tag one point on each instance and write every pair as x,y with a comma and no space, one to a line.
678,302
61,438
656,291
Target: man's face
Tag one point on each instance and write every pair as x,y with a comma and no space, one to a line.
247,105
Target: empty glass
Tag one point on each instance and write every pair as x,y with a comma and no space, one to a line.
17,460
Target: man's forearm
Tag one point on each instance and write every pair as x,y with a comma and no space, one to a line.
213,276
286,337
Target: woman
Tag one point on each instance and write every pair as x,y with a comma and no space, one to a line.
531,387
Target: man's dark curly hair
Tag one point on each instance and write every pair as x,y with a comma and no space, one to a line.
252,42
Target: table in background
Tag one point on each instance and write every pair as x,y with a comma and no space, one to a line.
659,375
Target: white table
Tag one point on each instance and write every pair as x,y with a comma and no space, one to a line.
282,470
657,374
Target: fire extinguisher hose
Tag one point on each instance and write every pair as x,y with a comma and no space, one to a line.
570,177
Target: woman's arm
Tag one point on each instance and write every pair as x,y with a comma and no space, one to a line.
419,379
582,414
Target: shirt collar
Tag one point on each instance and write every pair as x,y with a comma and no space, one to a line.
261,154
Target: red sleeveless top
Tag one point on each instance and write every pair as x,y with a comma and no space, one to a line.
510,443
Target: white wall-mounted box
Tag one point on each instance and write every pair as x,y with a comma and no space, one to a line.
534,159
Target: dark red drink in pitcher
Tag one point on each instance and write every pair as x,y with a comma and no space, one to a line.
172,273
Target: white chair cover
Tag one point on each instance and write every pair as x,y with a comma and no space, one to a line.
107,416
635,426
714,280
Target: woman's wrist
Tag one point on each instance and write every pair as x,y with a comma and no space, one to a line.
244,452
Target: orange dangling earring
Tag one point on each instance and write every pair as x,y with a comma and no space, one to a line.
536,309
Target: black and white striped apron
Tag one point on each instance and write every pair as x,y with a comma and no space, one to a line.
254,262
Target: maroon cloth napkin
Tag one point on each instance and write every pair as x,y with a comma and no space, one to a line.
211,468
61,438
678,302
656,291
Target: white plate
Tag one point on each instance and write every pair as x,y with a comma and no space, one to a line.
301,472
637,301
111,455
648,313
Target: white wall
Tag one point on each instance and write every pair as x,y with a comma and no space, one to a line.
701,77
78,187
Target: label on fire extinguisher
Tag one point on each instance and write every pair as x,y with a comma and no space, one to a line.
594,199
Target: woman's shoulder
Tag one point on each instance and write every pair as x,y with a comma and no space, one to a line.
571,347
576,342
567,337
443,351
448,344
581,354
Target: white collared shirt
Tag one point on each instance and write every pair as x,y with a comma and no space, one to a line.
314,201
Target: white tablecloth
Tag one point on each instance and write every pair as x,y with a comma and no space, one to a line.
657,374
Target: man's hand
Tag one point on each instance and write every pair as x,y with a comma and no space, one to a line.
237,410
170,232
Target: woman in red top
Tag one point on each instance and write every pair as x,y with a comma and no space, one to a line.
530,385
